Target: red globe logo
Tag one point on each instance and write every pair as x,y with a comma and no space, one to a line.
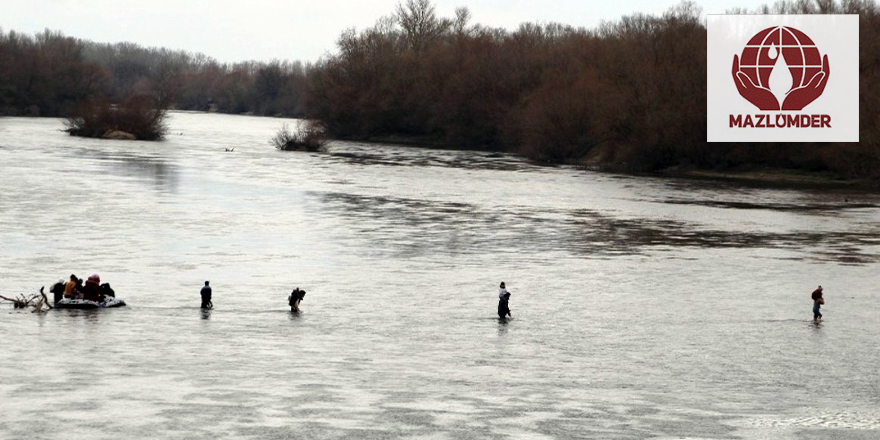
808,69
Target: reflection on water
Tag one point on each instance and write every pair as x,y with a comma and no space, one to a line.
150,169
366,154
644,307
422,227
502,326
830,208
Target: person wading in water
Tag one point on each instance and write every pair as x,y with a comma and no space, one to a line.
294,299
818,301
503,302
206,297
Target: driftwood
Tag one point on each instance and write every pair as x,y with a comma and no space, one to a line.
38,301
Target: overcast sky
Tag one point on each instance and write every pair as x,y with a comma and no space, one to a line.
263,30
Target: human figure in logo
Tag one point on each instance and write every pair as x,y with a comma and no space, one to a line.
206,296
818,301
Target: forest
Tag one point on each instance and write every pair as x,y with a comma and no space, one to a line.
49,74
552,92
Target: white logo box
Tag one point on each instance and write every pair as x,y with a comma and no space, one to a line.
833,116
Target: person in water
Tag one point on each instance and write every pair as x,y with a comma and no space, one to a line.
57,291
502,290
503,301
206,296
818,301
107,291
294,299
504,306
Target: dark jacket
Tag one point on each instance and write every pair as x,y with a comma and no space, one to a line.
296,295
504,307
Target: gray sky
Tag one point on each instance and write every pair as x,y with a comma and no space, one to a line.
239,30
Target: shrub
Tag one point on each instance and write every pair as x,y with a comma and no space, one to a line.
139,115
308,137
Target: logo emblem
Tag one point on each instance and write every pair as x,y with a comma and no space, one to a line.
780,69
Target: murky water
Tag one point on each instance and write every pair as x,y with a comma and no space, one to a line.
643,308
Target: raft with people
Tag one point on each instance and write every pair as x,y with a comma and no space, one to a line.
72,294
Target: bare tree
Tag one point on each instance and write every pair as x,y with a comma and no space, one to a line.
420,23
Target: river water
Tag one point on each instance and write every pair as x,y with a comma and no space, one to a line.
642,307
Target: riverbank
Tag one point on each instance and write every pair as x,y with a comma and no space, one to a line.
597,161
775,177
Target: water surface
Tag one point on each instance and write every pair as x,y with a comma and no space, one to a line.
643,308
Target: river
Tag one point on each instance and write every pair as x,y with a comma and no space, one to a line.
642,307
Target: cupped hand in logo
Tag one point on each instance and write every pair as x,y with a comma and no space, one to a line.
762,97
800,97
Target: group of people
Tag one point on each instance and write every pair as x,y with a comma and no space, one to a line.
74,288
295,297
504,303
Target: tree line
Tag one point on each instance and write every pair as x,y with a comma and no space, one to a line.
629,94
50,74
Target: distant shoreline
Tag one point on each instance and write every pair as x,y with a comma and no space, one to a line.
777,177
782,178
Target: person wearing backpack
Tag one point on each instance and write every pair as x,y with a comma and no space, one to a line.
818,301
295,297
